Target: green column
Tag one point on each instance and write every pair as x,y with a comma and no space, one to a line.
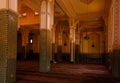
45,50
8,43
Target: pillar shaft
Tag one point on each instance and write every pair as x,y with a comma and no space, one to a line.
60,39
59,47
72,39
45,51
8,49
116,43
9,4
77,47
53,43
72,42
25,35
8,40
45,32
53,52
25,41
52,30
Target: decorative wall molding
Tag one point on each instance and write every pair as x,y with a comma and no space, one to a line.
116,26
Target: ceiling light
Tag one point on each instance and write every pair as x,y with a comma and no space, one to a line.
36,13
24,14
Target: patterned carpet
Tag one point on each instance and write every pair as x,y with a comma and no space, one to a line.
28,72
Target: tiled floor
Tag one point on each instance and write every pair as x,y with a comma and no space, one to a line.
28,72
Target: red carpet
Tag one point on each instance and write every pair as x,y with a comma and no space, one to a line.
27,72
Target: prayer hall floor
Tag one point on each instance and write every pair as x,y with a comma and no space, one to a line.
28,72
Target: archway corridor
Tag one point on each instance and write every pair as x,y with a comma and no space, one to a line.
78,45
59,41
71,45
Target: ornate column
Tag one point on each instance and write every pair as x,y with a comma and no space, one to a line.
25,41
59,47
8,40
53,43
52,31
77,46
72,40
45,28
116,41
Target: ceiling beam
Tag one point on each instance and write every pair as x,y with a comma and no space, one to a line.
93,26
90,16
20,5
67,7
61,18
107,7
32,4
91,29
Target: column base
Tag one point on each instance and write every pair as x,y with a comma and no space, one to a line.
59,54
44,51
77,58
116,64
52,62
72,62
53,52
72,52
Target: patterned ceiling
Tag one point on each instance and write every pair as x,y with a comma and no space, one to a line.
82,10
82,6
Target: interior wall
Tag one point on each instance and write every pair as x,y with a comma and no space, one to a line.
64,30
92,49
36,42
94,45
28,17
28,49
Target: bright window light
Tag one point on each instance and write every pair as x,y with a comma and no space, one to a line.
31,41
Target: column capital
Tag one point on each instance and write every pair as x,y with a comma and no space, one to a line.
73,27
8,4
71,21
53,27
60,38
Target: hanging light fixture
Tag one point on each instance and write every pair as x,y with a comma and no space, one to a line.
93,45
86,37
